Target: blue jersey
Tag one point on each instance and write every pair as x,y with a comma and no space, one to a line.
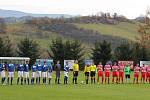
66,68
20,67
44,68
26,68
50,68
11,67
0,67
39,67
34,68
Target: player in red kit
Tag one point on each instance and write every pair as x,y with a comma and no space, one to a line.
107,72
100,72
143,73
148,73
121,74
115,72
136,73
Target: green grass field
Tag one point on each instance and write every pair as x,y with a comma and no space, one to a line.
75,91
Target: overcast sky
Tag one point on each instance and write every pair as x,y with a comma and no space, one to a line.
129,8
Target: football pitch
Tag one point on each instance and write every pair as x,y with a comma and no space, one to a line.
75,91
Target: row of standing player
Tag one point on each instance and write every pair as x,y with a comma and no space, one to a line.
119,71
38,71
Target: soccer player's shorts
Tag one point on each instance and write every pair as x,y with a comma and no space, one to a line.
49,75
92,74
127,75
58,74
26,74
44,74
136,75
20,73
107,74
100,73
115,74
143,75
38,74
121,74
87,73
10,74
33,74
65,73
3,75
75,73
148,74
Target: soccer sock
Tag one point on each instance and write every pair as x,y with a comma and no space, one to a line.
28,80
25,81
8,80
17,80
76,80
43,80
49,80
102,80
11,80
39,80
108,80
113,80
21,80
94,80
66,80
91,80
86,81
2,80
58,81
36,80
55,80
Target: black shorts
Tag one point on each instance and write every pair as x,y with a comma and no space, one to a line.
92,74
75,73
87,73
127,75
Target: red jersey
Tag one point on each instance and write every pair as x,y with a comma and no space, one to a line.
99,68
136,69
107,68
121,68
143,69
148,69
115,68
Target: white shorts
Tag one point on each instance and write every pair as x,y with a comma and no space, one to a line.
33,74
44,74
49,75
10,74
3,75
65,73
38,74
26,74
20,74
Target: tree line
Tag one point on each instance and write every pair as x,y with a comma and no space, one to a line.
74,50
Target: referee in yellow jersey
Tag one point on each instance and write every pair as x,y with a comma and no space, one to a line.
87,72
75,71
93,72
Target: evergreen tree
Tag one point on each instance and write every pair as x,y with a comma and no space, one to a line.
28,48
102,52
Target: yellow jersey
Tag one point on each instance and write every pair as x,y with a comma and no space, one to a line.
93,68
75,67
86,69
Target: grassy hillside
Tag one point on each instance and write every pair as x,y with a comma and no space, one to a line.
123,29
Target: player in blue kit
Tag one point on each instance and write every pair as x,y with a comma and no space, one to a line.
34,69
3,74
11,69
50,70
66,70
39,71
26,72
44,73
20,73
